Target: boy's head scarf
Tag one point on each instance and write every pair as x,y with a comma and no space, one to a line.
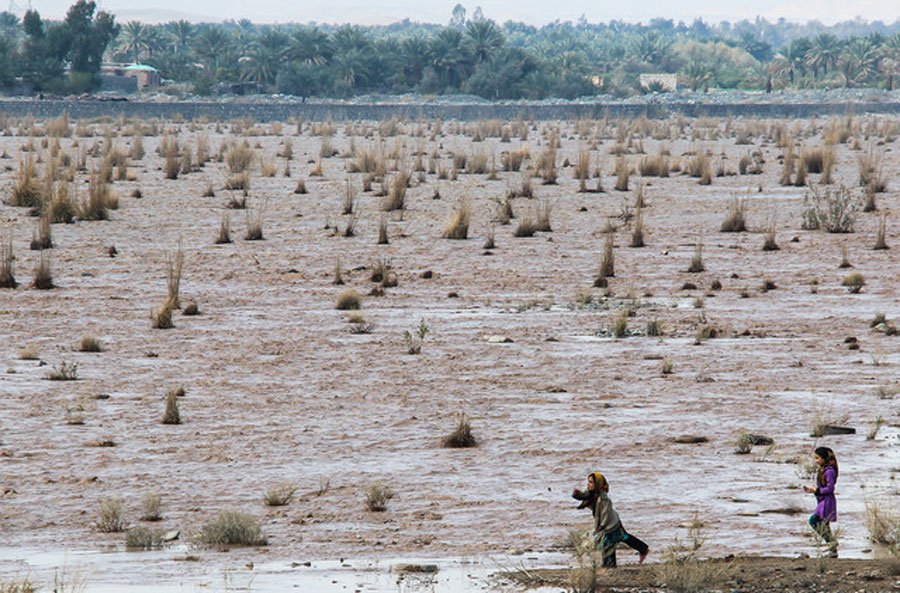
600,482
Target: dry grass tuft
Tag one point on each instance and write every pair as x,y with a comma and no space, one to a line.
43,276
7,258
396,197
161,317
880,242
883,522
697,260
151,507
462,436
224,235
174,268
172,415
854,282
735,221
90,343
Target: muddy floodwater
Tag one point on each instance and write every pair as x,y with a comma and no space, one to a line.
281,388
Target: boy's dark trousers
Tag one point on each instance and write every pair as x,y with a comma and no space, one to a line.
613,539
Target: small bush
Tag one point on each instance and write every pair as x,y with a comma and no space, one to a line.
172,415
224,236
232,528
668,367
883,522
348,300
833,209
279,495
144,538
880,242
620,325
66,371
377,497
608,259
415,339
151,507
111,516
239,158
743,445
462,436
29,353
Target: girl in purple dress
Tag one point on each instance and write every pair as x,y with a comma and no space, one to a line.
826,509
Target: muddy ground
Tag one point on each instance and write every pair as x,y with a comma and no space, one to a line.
279,390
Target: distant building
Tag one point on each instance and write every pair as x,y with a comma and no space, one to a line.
129,77
665,82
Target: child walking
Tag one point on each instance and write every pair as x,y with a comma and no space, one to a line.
608,530
826,509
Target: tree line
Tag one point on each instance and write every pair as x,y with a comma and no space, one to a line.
468,55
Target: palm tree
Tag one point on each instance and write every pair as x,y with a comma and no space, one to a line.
793,58
135,39
485,38
413,58
310,46
697,74
180,34
265,57
823,53
890,61
857,63
210,46
450,57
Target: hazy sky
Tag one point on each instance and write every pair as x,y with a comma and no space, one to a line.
385,11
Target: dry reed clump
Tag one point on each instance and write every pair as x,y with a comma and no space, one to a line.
527,225
396,196
27,192
542,218
377,497
279,495
697,260
735,221
348,300
60,127
239,181
871,172
462,436
7,258
654,166
813,159
60,208
66,371
623,173
174,269
607,261
637,233
172,415
512,160
880,241
99,199
224,235
232,528
769,243
144,538
90,343
111,516
458,225
382,231
698,165
787,169
161,317
239,158
254,226
43,276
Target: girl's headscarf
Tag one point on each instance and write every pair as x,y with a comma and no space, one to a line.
830,461
600,482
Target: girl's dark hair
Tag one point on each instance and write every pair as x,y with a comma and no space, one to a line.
830,461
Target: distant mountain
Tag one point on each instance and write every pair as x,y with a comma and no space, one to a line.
155,16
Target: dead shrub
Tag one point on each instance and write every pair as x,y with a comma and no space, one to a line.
27,191
880,241
240,181
161,317
239,158
174,268
151,507
623,173
7,257
607,261
637,233
224,235
254,226
90,343
883,522
42,235
854,282
697,260
396,197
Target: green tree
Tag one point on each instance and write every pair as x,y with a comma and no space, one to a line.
485,38
90,34
310,46
823,53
